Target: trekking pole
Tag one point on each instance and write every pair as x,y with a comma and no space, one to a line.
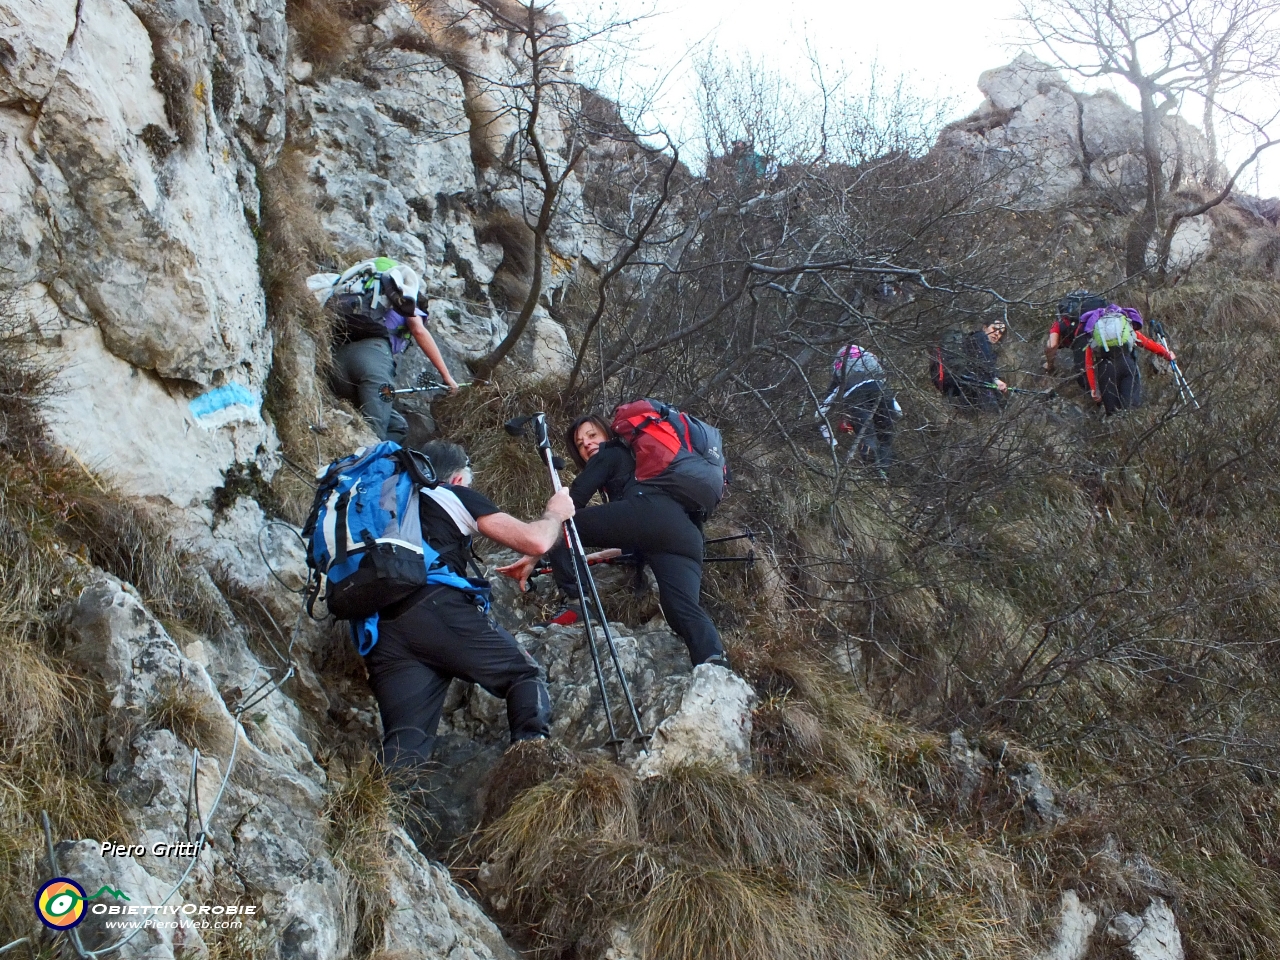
1184,388
424,384
581,572
745,535
990,385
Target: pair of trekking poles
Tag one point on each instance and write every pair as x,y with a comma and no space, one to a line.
519,427
1184,388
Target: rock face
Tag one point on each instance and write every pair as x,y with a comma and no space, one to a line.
130,252
1045,139
268,845
713,725
133,137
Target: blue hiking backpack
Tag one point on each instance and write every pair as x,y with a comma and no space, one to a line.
364,537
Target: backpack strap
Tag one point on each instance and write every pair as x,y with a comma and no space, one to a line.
340,528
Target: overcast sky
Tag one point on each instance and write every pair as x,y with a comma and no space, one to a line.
940,46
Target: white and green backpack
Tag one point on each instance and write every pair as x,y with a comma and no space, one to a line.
1111,330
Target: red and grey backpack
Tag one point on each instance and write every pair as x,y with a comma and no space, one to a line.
675,453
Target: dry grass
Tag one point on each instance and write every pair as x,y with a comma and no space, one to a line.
323,30
360,813
699,862
729,914
292,244
749,825
523,766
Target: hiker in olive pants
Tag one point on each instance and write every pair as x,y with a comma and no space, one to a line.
361,367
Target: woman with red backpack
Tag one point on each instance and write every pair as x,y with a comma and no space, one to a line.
636,517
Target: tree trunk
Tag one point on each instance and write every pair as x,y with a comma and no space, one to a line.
1145,223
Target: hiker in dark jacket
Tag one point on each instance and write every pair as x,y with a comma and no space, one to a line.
375,306
978,385
438,632
635,519
1112,368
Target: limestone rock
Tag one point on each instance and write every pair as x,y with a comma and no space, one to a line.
393,163
1152,936
1039,803
713,725
136,428
125,236
1076,924
469,335
1191,242
431,918
1040,140
544,349
34,34
148,214
971,767
1013,85
168,937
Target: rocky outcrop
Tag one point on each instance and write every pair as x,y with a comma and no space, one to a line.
712,725
1152,936
1076,924
1043,140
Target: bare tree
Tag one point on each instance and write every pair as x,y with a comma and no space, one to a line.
531,123
1166,50
1235,43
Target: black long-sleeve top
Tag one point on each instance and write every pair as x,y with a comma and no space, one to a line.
982,356
609,472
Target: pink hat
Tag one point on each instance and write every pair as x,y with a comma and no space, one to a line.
851,352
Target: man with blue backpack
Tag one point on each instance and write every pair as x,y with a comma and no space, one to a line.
389,538
376,310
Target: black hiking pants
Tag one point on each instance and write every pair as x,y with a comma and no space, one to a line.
869,410
441,635
659,529
1118,379
361,369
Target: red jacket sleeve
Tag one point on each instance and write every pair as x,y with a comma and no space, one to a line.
1153,345
1088,369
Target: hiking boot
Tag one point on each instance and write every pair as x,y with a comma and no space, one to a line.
568,615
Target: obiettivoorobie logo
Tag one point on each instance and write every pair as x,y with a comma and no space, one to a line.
60,903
